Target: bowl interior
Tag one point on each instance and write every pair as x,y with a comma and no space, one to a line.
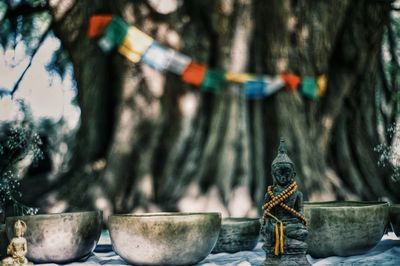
164,214
239,220
52,216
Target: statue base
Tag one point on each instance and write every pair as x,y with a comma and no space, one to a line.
287,260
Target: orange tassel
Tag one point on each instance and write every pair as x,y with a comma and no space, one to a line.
276,240
282,238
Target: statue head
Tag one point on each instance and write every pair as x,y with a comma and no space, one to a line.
19,228
282,167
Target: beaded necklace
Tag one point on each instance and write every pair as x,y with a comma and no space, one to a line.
278,200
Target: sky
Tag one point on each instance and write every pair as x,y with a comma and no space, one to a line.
46,93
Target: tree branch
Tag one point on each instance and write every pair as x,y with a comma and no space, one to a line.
41,40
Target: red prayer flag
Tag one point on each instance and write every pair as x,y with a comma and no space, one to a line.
194,74
292,81
97,25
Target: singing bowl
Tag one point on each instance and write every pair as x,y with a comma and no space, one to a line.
237,234
59,238
344,228
394,213
164,238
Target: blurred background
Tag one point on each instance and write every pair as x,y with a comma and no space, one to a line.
81,129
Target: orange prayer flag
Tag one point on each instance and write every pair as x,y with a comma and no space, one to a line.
194,74
97,25
291,81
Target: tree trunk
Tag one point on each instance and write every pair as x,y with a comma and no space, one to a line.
148,142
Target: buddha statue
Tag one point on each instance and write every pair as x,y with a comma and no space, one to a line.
17,248
283,225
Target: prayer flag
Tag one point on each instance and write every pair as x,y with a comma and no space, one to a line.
322,83
264,86
97,24
309,87
291,81
158,56
238,77
178,63
213,80
273,84
128,54
114,34
135,44
254,89
194,74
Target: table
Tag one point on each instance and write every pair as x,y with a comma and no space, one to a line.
386,253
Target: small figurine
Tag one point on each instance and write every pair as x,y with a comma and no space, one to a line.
283,225
17,248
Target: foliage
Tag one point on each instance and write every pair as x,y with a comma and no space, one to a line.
18,141
389,155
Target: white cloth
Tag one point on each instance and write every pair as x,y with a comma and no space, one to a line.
386,253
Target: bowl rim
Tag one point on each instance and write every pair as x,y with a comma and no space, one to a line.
357,204
164,214
239,219
53,215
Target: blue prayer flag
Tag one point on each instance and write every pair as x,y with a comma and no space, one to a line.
158,56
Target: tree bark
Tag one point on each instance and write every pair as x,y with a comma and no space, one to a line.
148,142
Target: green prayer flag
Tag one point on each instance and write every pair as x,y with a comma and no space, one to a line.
308,87
213,80
113,34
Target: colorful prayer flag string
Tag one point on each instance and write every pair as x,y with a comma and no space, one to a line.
136,46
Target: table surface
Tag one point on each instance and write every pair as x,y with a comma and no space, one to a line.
387,252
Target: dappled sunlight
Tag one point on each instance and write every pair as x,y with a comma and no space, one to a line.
193,201
54,204
155,81
8,110
124,132
241,204
104,205
282,64
146,186
61,7
188,104
165,7
291,23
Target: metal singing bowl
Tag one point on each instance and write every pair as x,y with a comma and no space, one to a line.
238,234
59,238
164,238
344,228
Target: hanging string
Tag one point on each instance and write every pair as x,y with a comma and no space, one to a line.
135,45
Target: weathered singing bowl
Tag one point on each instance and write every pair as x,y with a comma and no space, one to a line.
59,238
344,228
164,238
394,213
238,234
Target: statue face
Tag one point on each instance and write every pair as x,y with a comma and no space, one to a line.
283,174
18,231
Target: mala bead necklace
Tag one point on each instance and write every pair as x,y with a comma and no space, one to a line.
278,201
